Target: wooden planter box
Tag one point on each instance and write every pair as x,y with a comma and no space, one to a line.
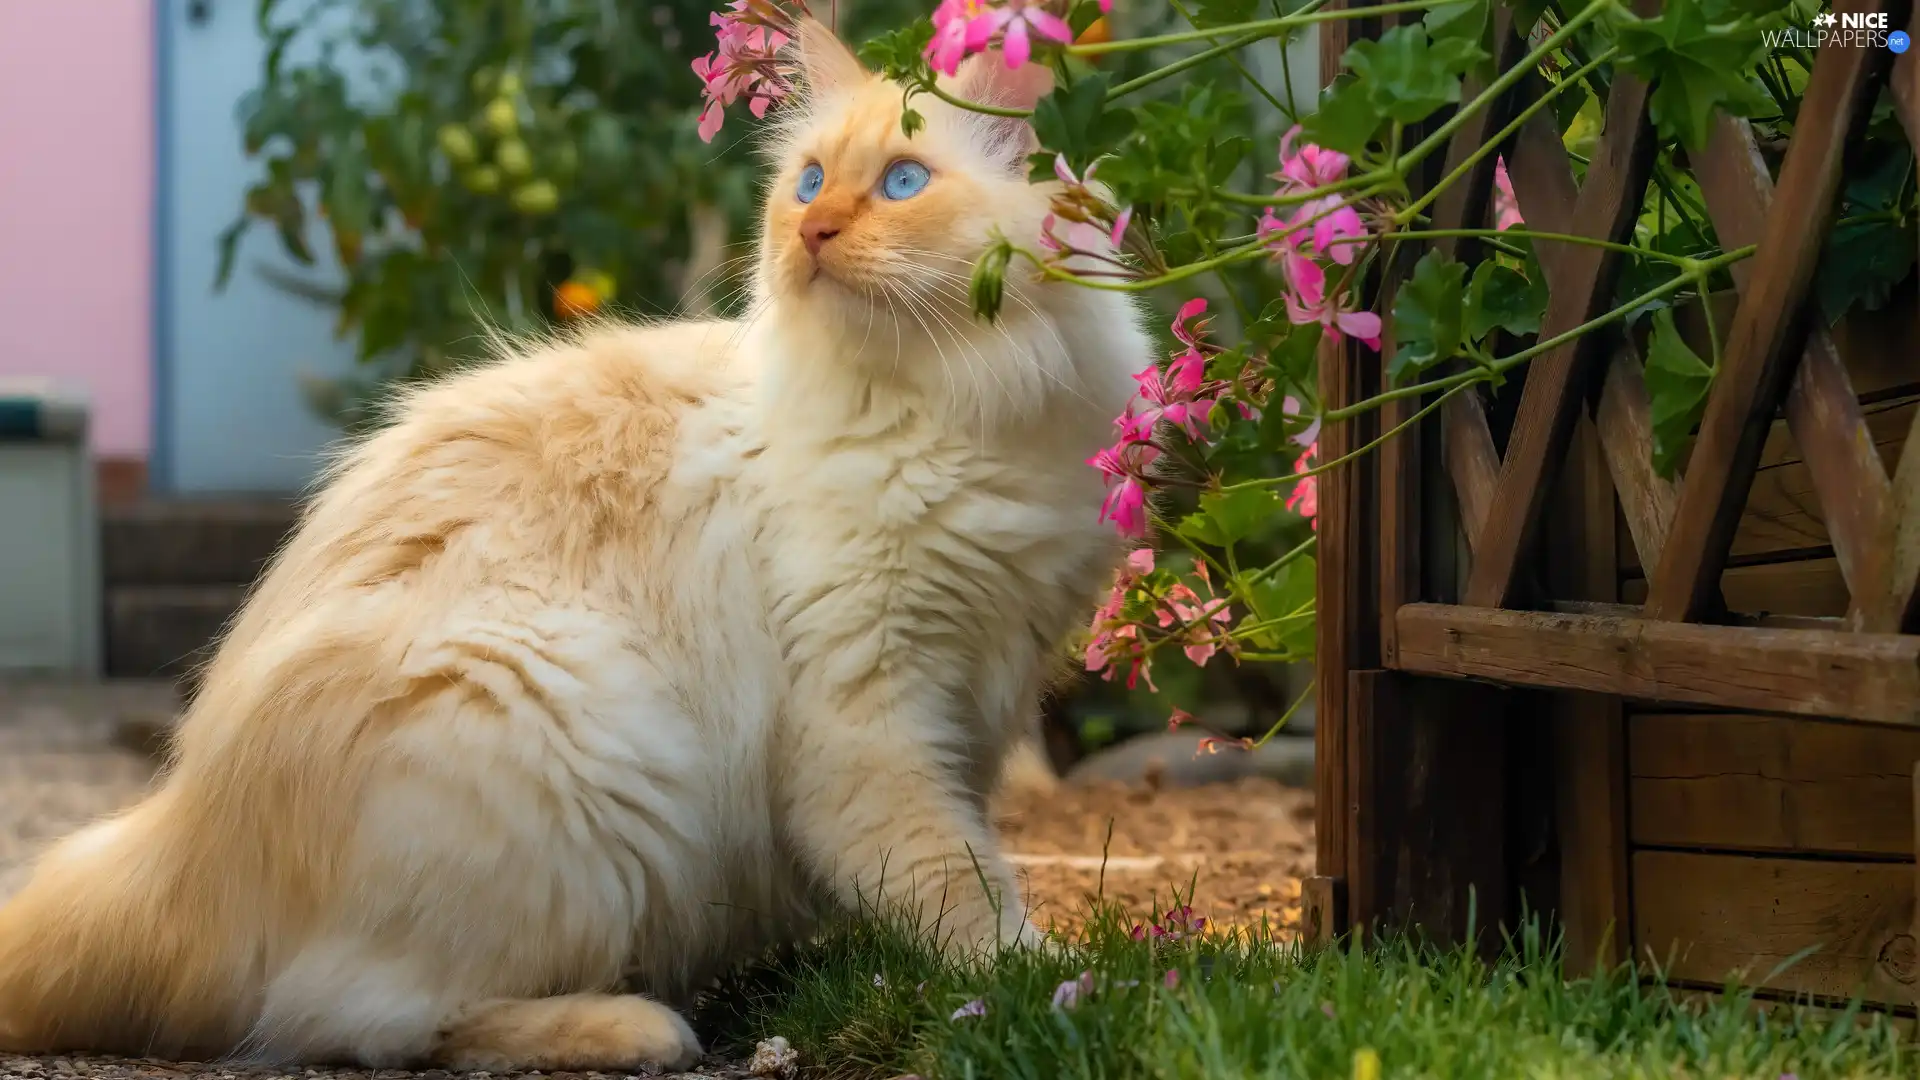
1678,715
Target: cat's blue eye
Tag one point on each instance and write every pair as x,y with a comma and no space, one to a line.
904,180
811,179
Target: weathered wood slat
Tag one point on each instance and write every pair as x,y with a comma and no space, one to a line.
1822,406
1808,672
1607,205
1472,462
1589,730
1542,173
1470,458
1893,603
1757,362
1783,512
1758,783
1625,419
1428,813
1716,914
1809,587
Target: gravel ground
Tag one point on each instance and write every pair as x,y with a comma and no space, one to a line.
66,758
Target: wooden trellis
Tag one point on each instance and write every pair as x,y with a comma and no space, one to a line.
1551,675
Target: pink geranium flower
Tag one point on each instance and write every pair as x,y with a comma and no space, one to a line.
949,46
1125,467
1069,237
1305,498
1171,395
1333,224
744,65
1016,23
1308,302
1506,207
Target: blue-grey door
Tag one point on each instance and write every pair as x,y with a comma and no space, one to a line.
229,412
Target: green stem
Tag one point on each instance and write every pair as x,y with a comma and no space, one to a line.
1183,64
933,88
1239,254
1281,723
1265,27
1507,80
1528,234
1505,364
1492,144
1326,467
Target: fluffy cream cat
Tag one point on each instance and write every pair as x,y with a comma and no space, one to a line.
612,660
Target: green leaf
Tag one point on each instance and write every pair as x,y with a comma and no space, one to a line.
1863,261
1277,595
1697,64
1226,518
1407,77
1346,118
1677,385
1074,121
229,247
1224,12
1427,315
1501,296
898,53
1465,19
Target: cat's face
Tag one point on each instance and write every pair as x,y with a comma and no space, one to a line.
860,217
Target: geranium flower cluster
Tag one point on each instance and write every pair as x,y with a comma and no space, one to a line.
1197,619
1080,222
750,34
964,27
1326,227
1180,394
1177,925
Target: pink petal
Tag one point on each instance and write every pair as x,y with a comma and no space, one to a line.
1120,224
1308,280
1049,25
1061,170
982,27
1364,325
1106,7
1286,144
1141,561
1018,48
710,120
1191,309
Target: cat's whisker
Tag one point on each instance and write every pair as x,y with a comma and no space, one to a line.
952,290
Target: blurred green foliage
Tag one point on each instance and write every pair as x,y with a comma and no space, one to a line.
473,163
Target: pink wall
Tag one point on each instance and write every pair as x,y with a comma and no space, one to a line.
76,204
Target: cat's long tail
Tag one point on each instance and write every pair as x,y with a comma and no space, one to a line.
114,946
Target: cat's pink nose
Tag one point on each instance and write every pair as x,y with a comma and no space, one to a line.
816,233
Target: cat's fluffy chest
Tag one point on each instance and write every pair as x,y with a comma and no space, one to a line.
928,554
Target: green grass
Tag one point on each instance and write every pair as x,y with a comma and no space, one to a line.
872,1000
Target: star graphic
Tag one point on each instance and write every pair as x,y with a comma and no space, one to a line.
1825,19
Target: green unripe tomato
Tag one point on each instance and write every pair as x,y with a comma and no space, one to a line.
510,84
536,198
513,157
481,179
502,118
458,144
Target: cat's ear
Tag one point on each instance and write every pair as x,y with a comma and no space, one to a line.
825,61
985,77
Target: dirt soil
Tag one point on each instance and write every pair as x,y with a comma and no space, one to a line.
1235,851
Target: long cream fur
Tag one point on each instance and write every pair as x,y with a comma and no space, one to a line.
618,658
